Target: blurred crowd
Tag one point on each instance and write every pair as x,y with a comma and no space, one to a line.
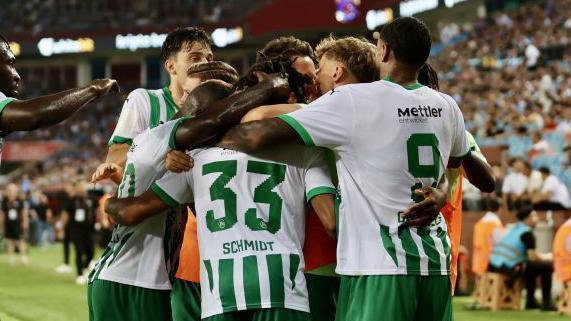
36,16
511,75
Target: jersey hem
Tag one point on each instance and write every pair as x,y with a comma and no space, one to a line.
391,272
164,196
134,283
246,307
301,131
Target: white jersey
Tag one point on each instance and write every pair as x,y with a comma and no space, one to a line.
250,213
142,255
3,103
389,141
143,109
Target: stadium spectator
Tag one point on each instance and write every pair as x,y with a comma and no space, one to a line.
553,194
15,216
516,255
488,231
514,184
64,227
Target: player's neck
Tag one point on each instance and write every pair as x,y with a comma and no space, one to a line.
403,76
176,91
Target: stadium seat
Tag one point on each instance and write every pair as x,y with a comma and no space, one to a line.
499,295
564,306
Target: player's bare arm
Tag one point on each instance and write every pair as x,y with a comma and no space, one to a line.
269,111
133,210
117,155
479,173
259,135
211,123
178,161
324,206
26,115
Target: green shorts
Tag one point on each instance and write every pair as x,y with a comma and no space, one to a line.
111,301
323,292
273,314
395,298
185,300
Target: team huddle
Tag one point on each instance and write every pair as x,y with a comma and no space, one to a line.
296,192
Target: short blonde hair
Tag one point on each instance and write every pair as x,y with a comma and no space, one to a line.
358,55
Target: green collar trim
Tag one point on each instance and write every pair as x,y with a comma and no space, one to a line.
168,97
411,86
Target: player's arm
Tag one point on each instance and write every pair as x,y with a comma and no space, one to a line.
425,212
117,155
133,210
269,111
324,207
217,118
327,122
26,115
479,173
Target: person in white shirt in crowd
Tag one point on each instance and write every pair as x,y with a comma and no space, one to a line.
532,55
540,145
514,184
534,180
553,194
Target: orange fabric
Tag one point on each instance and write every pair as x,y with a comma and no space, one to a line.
189,261
452,213
319,248
561,254
482,244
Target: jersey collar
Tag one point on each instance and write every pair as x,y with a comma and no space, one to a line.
168,98
411,86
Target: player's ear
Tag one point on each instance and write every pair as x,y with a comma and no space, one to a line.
339,72
169,66
385,52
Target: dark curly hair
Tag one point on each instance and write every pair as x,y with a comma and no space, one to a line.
278,56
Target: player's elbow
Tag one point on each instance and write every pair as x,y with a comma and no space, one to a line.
489,185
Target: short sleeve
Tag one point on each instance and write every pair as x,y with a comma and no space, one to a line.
528,240
326,122
316,174
474,148
460,147
134,118
174,189
4,101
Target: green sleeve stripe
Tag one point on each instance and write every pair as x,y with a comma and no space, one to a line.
120,140
319,191
155,110
5,102
465,155
172,136
171,202
299,129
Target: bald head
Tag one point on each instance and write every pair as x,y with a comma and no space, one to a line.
204,95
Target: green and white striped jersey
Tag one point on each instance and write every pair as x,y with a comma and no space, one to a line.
389,140
144,108
142,255
3,102
250,213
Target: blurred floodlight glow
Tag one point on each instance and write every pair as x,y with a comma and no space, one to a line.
377,18
412,7
16,49
51,46
223,36
347,10
452,3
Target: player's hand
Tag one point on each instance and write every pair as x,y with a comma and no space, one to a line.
104,171
422,214
105,86
279,83
178,162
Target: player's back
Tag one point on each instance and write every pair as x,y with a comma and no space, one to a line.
399,140
251,214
